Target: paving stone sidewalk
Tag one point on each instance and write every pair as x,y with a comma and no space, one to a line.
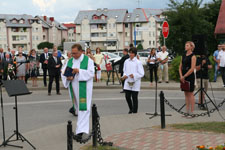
156,139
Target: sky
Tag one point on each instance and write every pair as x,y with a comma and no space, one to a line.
67,10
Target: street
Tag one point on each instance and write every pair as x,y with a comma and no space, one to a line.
39,110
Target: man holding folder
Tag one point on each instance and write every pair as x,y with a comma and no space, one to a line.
78,77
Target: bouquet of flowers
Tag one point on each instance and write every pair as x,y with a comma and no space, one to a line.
10,71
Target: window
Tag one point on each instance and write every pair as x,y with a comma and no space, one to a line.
14,21
126,25
21,21
0,45
5,46
43,37
150,34
153,43
150,43
94,35
93,26
103,17
126,43
33,38
15,38
23,37
153,34
109,25
114,25
37,29
127,34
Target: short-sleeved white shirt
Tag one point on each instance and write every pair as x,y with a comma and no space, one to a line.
221,57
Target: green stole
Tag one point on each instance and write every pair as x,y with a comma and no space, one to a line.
82,85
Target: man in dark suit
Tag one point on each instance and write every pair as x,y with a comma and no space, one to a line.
121,63
5,64
44,64
54,68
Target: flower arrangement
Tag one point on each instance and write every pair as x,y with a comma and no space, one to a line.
203,147
10,68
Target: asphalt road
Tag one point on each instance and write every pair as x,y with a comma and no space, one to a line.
40,110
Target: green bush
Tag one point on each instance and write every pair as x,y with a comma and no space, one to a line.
42,45
174,69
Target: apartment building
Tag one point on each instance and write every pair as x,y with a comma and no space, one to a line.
115,29
71,32
28,31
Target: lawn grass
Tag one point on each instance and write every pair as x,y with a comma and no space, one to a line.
217,127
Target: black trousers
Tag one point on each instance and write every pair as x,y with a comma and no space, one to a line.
51,78
44,76
153,69
132,100
222,70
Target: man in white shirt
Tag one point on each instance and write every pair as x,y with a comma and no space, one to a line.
221,62
163,65
133,71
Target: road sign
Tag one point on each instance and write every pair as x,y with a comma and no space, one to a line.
165,29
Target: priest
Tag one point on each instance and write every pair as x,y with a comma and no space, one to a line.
78,77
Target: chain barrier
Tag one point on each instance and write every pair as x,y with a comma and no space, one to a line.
97,130
193,115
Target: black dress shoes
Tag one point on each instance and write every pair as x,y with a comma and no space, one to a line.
130,112
72,111
78,137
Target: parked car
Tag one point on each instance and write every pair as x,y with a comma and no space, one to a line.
119,53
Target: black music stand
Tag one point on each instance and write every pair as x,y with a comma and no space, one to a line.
16,88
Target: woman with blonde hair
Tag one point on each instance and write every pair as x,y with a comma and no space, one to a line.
186,71
98,60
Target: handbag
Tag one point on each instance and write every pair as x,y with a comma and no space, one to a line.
185,86
108,67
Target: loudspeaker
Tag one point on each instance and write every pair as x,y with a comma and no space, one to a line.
200,44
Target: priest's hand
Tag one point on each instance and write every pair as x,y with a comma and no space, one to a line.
70,78
76,70
124,77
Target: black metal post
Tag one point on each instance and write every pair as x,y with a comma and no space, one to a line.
16,112
94,128
162,109
69,136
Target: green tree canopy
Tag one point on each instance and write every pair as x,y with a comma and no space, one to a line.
189,18
139,47
42,45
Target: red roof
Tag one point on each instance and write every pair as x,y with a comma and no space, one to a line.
70,25
220,26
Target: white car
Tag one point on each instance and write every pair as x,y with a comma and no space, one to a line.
110,57
143,57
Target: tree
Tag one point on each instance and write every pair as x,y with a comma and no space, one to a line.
139,47
186,18
211,13
43,45
61,46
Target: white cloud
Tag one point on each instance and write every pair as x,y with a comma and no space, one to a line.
45,5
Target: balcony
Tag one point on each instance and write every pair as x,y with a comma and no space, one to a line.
96,39
98,30
111,47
